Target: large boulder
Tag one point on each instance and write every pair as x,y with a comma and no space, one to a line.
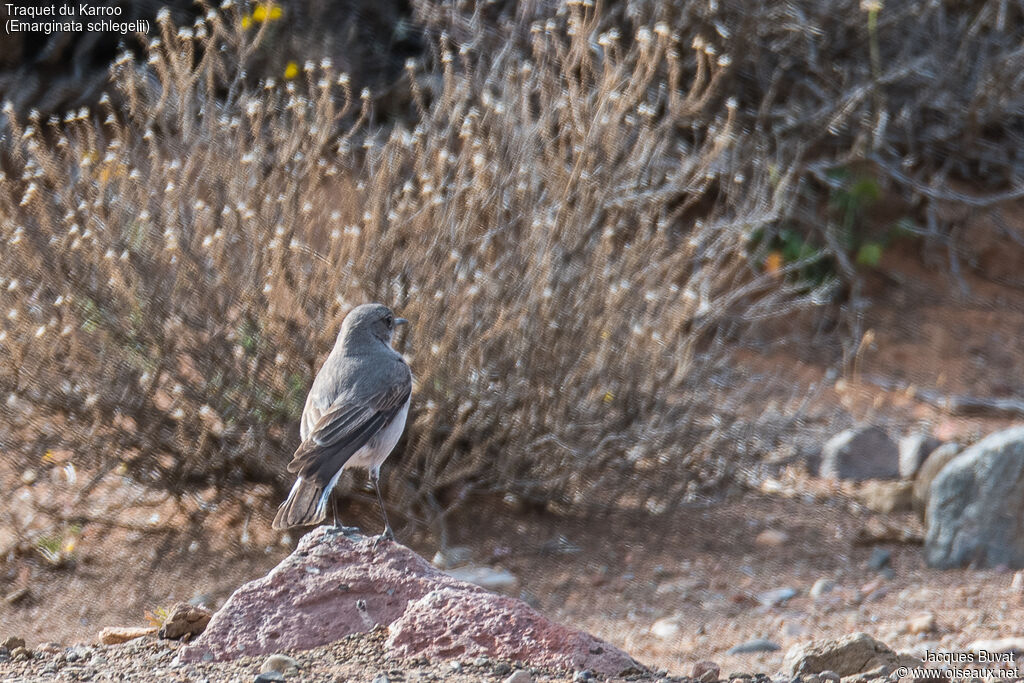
859,454
336,584
975,512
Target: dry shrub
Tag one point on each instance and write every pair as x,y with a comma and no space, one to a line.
576,270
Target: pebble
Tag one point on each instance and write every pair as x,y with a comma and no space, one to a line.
381,678
829,676
706,672
452,557
520,676
115,635
582,676
880,559
821,587
750,646
20,654
486,577
772,538
775,597
280,663
666,627
924,623
501,669
271,677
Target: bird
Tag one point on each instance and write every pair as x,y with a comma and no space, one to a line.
354,415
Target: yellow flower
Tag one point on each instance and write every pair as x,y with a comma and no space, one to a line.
246,21
267,12
291,70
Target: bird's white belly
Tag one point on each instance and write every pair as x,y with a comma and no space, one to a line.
373,454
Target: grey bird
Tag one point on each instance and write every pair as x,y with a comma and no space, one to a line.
354,415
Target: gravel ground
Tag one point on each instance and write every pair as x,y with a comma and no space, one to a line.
359,657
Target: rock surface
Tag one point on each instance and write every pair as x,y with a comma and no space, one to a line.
848,655
859,454
975,513
914,449
455,623
334,585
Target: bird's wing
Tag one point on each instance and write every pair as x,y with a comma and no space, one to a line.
347,426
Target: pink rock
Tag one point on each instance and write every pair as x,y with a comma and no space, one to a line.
452,623
334,585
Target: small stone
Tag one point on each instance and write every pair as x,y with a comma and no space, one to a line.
831,676
1017,583
772,538
20,654
282,664
750,646
17,595
381,678
924,623
880,559
454,556
706,672
482,660
846,656
775,597
185,620
582,676
13,642
271,677
665,628
501,669
115,635
821,588
28,477
520,676
486,577
78,653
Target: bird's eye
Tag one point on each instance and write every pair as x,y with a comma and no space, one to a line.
389,320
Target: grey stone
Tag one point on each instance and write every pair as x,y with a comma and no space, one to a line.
280,663
845,656
936,460
975,513
880,559
776,596
520,676
859,454
269,677
821,587
751,646
914,449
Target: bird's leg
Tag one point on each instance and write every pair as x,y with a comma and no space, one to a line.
375,478
334,509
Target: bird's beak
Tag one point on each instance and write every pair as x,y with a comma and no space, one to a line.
400,321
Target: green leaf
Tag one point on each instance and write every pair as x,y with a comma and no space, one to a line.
870,254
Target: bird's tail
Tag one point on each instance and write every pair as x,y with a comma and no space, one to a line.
306,505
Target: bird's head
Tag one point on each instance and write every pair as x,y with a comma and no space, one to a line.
370,321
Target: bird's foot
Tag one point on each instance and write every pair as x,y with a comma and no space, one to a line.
388,535
349,531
